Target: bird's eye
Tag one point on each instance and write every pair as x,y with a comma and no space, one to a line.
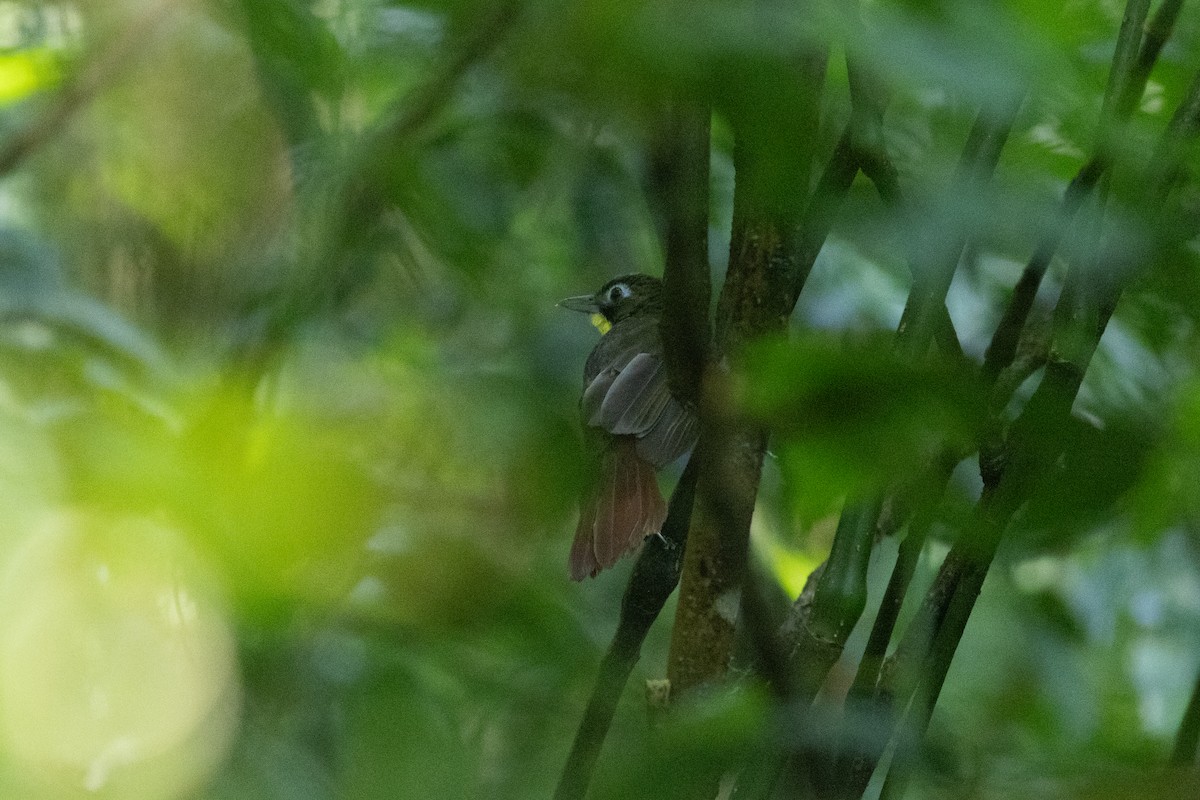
618,292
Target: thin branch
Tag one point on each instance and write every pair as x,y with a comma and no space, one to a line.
959,587
654,577
766,254
928,494
1121,92
1127,81
868,102
1164,165
857,766
939,258
683,156
810,234
1003,346
1158,31
841,593
1035,441
879,169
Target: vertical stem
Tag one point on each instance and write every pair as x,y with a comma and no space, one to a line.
1121,90
757,298
654,578
683,156
714,565
1188,738
1034,443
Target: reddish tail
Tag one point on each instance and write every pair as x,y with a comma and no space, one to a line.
624,508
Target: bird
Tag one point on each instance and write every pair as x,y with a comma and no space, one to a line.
633,425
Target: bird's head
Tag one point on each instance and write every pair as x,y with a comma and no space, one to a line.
620,298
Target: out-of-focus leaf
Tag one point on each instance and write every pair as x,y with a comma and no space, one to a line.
27,72
958,51
1098,468
691,750
299,61
286,509
34,291
91,322
848,417
29,266
113,636
1167,492
399,722
32,475
189,144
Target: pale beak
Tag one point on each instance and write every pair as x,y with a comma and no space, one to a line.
584,302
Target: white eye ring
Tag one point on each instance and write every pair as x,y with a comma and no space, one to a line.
619,291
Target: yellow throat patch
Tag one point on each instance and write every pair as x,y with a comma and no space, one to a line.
602,325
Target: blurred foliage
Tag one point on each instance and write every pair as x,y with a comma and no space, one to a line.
852,418
288,436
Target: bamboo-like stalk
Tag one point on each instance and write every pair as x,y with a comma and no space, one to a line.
1031,447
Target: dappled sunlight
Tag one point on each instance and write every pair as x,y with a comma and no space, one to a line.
118,667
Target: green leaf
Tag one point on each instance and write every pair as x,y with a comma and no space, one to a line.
849,417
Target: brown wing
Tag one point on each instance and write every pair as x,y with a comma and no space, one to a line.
672,435
636,397
627,394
